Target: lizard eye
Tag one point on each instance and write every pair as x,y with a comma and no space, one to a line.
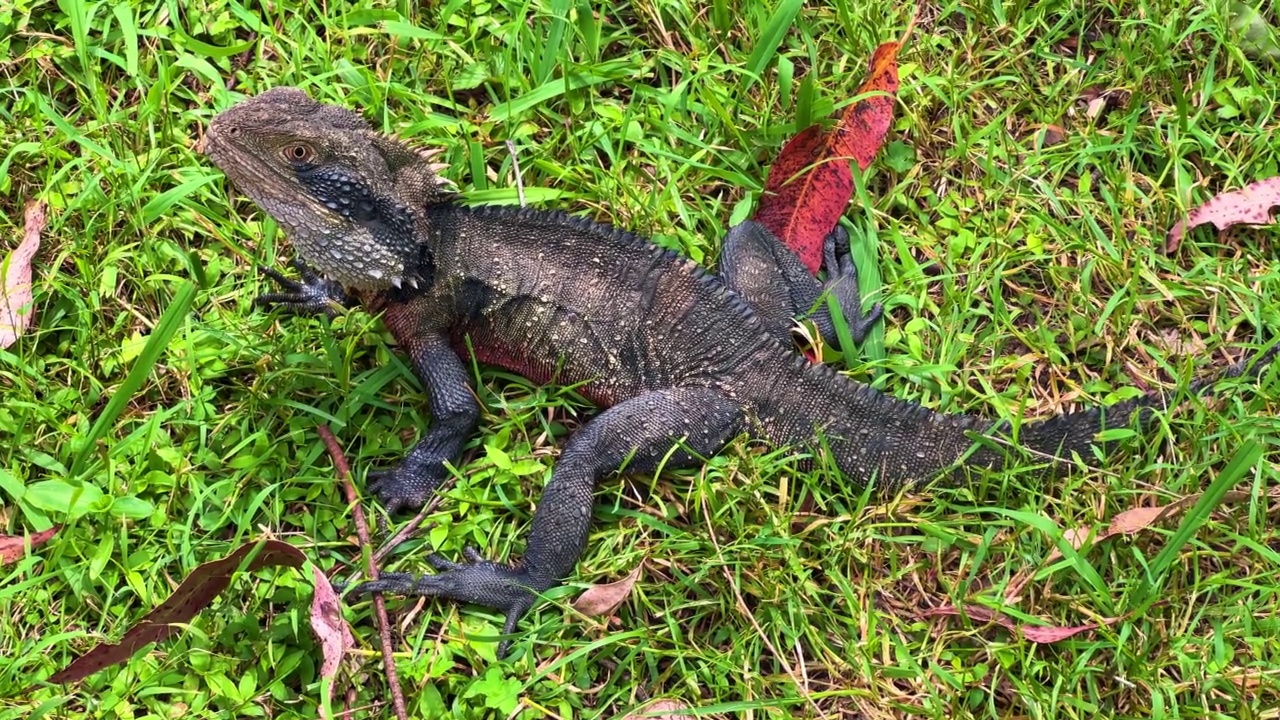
298,154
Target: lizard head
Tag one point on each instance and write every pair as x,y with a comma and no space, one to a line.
349,198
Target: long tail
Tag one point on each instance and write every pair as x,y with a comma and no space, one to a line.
1075,432
875,437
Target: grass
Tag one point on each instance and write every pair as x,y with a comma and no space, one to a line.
1019,279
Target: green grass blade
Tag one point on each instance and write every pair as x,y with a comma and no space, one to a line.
552,89
129,34
771,37
158,206
169,323
553,47
1245,457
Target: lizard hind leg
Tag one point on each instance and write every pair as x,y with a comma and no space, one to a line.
665,428
765,273
842,282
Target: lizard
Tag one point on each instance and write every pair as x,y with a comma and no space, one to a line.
681,361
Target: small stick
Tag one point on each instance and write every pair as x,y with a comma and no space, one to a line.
515,165
362,533
410,530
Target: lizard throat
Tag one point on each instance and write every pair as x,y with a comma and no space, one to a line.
367,240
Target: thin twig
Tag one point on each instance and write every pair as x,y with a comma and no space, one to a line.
411,529
362,533
515,166
911,25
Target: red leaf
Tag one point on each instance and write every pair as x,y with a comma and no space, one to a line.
13,547
328,625
1250,204
194,594
15,282
865,123
810,182
805,194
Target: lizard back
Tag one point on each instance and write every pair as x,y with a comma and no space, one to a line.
562,299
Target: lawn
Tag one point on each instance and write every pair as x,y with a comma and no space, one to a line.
1014,226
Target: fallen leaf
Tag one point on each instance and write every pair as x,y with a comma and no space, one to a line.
660,710
864,124
600,600
1132,520
1135,520
195,593
15,291
13,547
1077,537
1042,634
330,627
1249,205
1095,107
1097,100
1045,634
1048,135
810,182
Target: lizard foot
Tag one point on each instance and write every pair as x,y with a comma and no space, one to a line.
408,485
314,295
842,282
507,588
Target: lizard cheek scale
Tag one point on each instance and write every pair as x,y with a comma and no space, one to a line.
681,361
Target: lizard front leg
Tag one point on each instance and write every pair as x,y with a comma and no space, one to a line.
454,415
640,434
314,295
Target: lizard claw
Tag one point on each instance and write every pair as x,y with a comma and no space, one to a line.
309,275
408,485
313,295
503,587
842,282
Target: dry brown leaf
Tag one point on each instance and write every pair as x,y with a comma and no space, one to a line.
1250,205
660,710
1046,634
330,627
1042,634
604,599
1095,107
1045,136
1095,101
15,292
13,547
1077,537
195,593
1135,520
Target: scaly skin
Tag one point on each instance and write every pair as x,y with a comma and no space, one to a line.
681,360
